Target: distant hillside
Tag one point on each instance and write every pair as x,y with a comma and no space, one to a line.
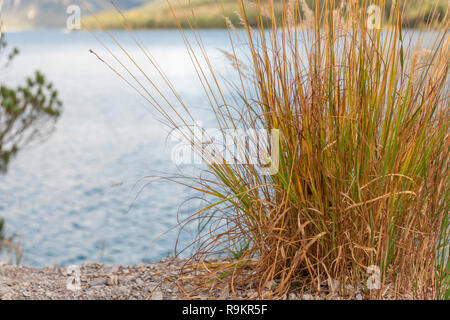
30,14
209,13
157,15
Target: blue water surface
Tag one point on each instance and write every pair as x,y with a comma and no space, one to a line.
82,195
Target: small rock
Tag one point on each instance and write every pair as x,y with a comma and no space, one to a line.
333,285
271,284
225,295
307,296
292,296
157,295
112,280
139,282
97,282
359,296
152,285
349,289
7,296
115,269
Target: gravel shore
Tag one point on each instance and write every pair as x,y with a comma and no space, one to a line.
153,281
97,281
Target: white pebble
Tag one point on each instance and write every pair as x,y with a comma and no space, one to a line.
307,297
157,295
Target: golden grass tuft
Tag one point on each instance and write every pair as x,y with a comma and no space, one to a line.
363,164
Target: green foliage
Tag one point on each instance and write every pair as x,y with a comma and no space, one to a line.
3,237
9,245
26,111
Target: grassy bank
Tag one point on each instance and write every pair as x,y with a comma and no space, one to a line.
210,13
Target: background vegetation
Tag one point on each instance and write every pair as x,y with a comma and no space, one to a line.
27,114
210,13
34,14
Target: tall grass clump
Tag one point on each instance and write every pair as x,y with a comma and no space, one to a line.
361,180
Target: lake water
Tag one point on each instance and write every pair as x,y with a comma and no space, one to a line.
79,196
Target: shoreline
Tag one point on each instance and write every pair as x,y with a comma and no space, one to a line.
145,281
152,281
